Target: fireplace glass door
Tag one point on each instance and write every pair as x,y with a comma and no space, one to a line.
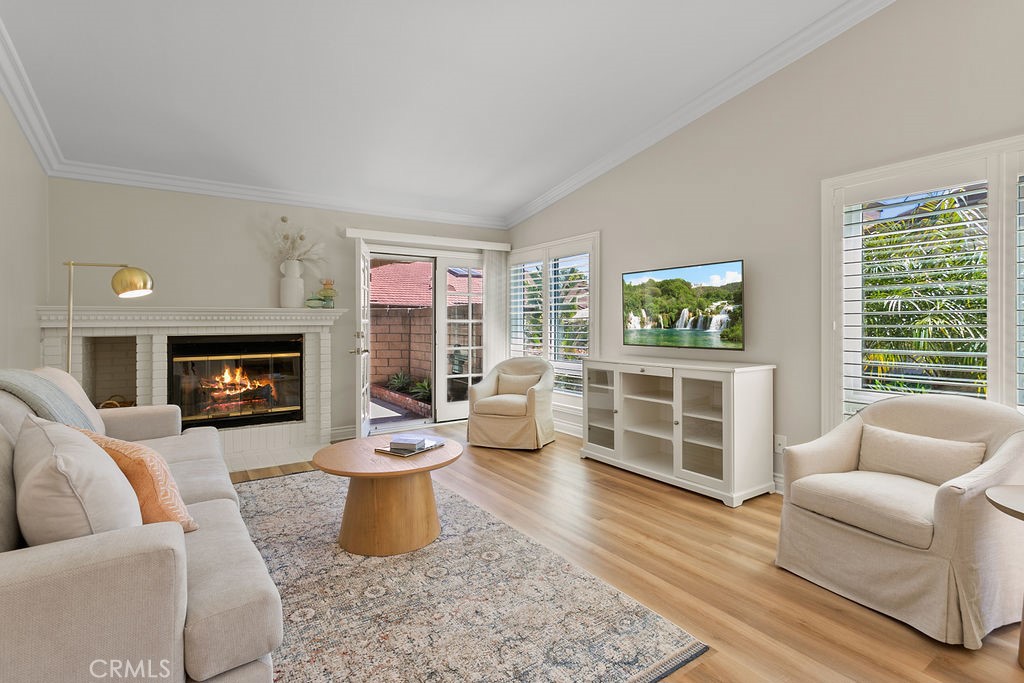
249,382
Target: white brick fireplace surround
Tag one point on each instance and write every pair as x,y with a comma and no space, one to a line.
244,447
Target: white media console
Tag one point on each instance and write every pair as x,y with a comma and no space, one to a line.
701,425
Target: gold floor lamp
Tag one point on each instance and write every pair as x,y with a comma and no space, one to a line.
128,283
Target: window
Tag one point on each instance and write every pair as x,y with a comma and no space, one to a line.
550,307
915,295
924,269
1019,243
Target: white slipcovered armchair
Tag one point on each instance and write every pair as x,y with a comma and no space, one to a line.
889,510
511,406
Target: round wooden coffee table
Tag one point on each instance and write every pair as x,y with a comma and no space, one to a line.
390,507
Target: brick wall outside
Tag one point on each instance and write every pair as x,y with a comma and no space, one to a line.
401,340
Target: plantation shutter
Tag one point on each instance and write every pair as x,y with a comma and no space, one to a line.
915,295
526,309
1020,291
549,306
569,319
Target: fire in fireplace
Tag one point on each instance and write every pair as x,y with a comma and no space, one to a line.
232,381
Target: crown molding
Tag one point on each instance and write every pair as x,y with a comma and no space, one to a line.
810,38
75,170
15,86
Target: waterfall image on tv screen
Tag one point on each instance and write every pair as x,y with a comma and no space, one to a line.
697,306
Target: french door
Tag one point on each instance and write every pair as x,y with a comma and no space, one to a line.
458,286
458,333
362,339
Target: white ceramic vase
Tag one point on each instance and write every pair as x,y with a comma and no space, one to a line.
292,287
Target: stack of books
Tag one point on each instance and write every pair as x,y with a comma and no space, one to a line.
407,443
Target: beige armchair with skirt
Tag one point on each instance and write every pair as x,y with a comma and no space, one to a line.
889,510
511,406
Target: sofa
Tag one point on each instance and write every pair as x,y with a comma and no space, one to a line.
144,602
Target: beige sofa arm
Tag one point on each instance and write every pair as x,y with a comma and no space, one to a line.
962,513
71,610
837,451
142,422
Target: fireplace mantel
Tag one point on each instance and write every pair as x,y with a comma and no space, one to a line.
245,447
136,316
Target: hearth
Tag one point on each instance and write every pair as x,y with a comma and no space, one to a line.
236,380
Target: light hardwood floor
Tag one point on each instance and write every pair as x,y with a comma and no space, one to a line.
706,567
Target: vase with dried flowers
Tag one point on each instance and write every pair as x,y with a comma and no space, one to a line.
295,251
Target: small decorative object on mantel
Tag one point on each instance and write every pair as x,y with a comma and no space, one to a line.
295,251
328,292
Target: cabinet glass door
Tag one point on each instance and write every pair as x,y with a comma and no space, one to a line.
600,403
701,428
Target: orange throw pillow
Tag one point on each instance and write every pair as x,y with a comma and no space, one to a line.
147,472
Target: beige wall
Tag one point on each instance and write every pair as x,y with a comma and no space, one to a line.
23,261
744,181
211,251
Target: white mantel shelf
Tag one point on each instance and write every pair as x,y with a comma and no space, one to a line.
105,316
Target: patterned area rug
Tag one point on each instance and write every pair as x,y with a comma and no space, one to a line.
481,603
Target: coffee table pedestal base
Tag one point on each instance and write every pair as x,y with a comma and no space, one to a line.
389,515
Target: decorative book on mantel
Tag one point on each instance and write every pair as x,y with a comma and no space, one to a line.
411,444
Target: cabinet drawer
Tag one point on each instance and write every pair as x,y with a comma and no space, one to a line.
653,370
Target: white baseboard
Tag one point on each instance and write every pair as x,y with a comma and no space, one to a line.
343,433
570,428
568,419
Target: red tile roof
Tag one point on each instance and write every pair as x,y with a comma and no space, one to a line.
411,284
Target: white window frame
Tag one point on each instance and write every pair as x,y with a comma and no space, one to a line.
587,243
1000,163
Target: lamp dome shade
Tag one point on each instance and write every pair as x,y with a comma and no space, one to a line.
130,282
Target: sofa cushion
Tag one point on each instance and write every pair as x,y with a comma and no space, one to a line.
234,609
935,461
896,507
205,479
10,535
512,405
70,386
151,479
67,486
197,443
516,384
197,464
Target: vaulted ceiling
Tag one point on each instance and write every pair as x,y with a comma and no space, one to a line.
466,111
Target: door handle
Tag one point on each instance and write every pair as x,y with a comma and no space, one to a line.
358,350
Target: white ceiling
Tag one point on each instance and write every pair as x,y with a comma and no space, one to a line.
469,111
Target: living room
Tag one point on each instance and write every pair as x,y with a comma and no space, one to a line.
736,173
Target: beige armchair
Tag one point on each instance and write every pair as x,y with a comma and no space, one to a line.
889,510
511,406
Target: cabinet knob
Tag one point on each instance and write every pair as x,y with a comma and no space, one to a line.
642,370
615,412
675,422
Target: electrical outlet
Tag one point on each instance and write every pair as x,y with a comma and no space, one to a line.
780,443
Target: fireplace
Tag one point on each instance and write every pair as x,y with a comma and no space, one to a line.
236,380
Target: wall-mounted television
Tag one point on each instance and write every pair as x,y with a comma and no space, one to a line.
691,307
